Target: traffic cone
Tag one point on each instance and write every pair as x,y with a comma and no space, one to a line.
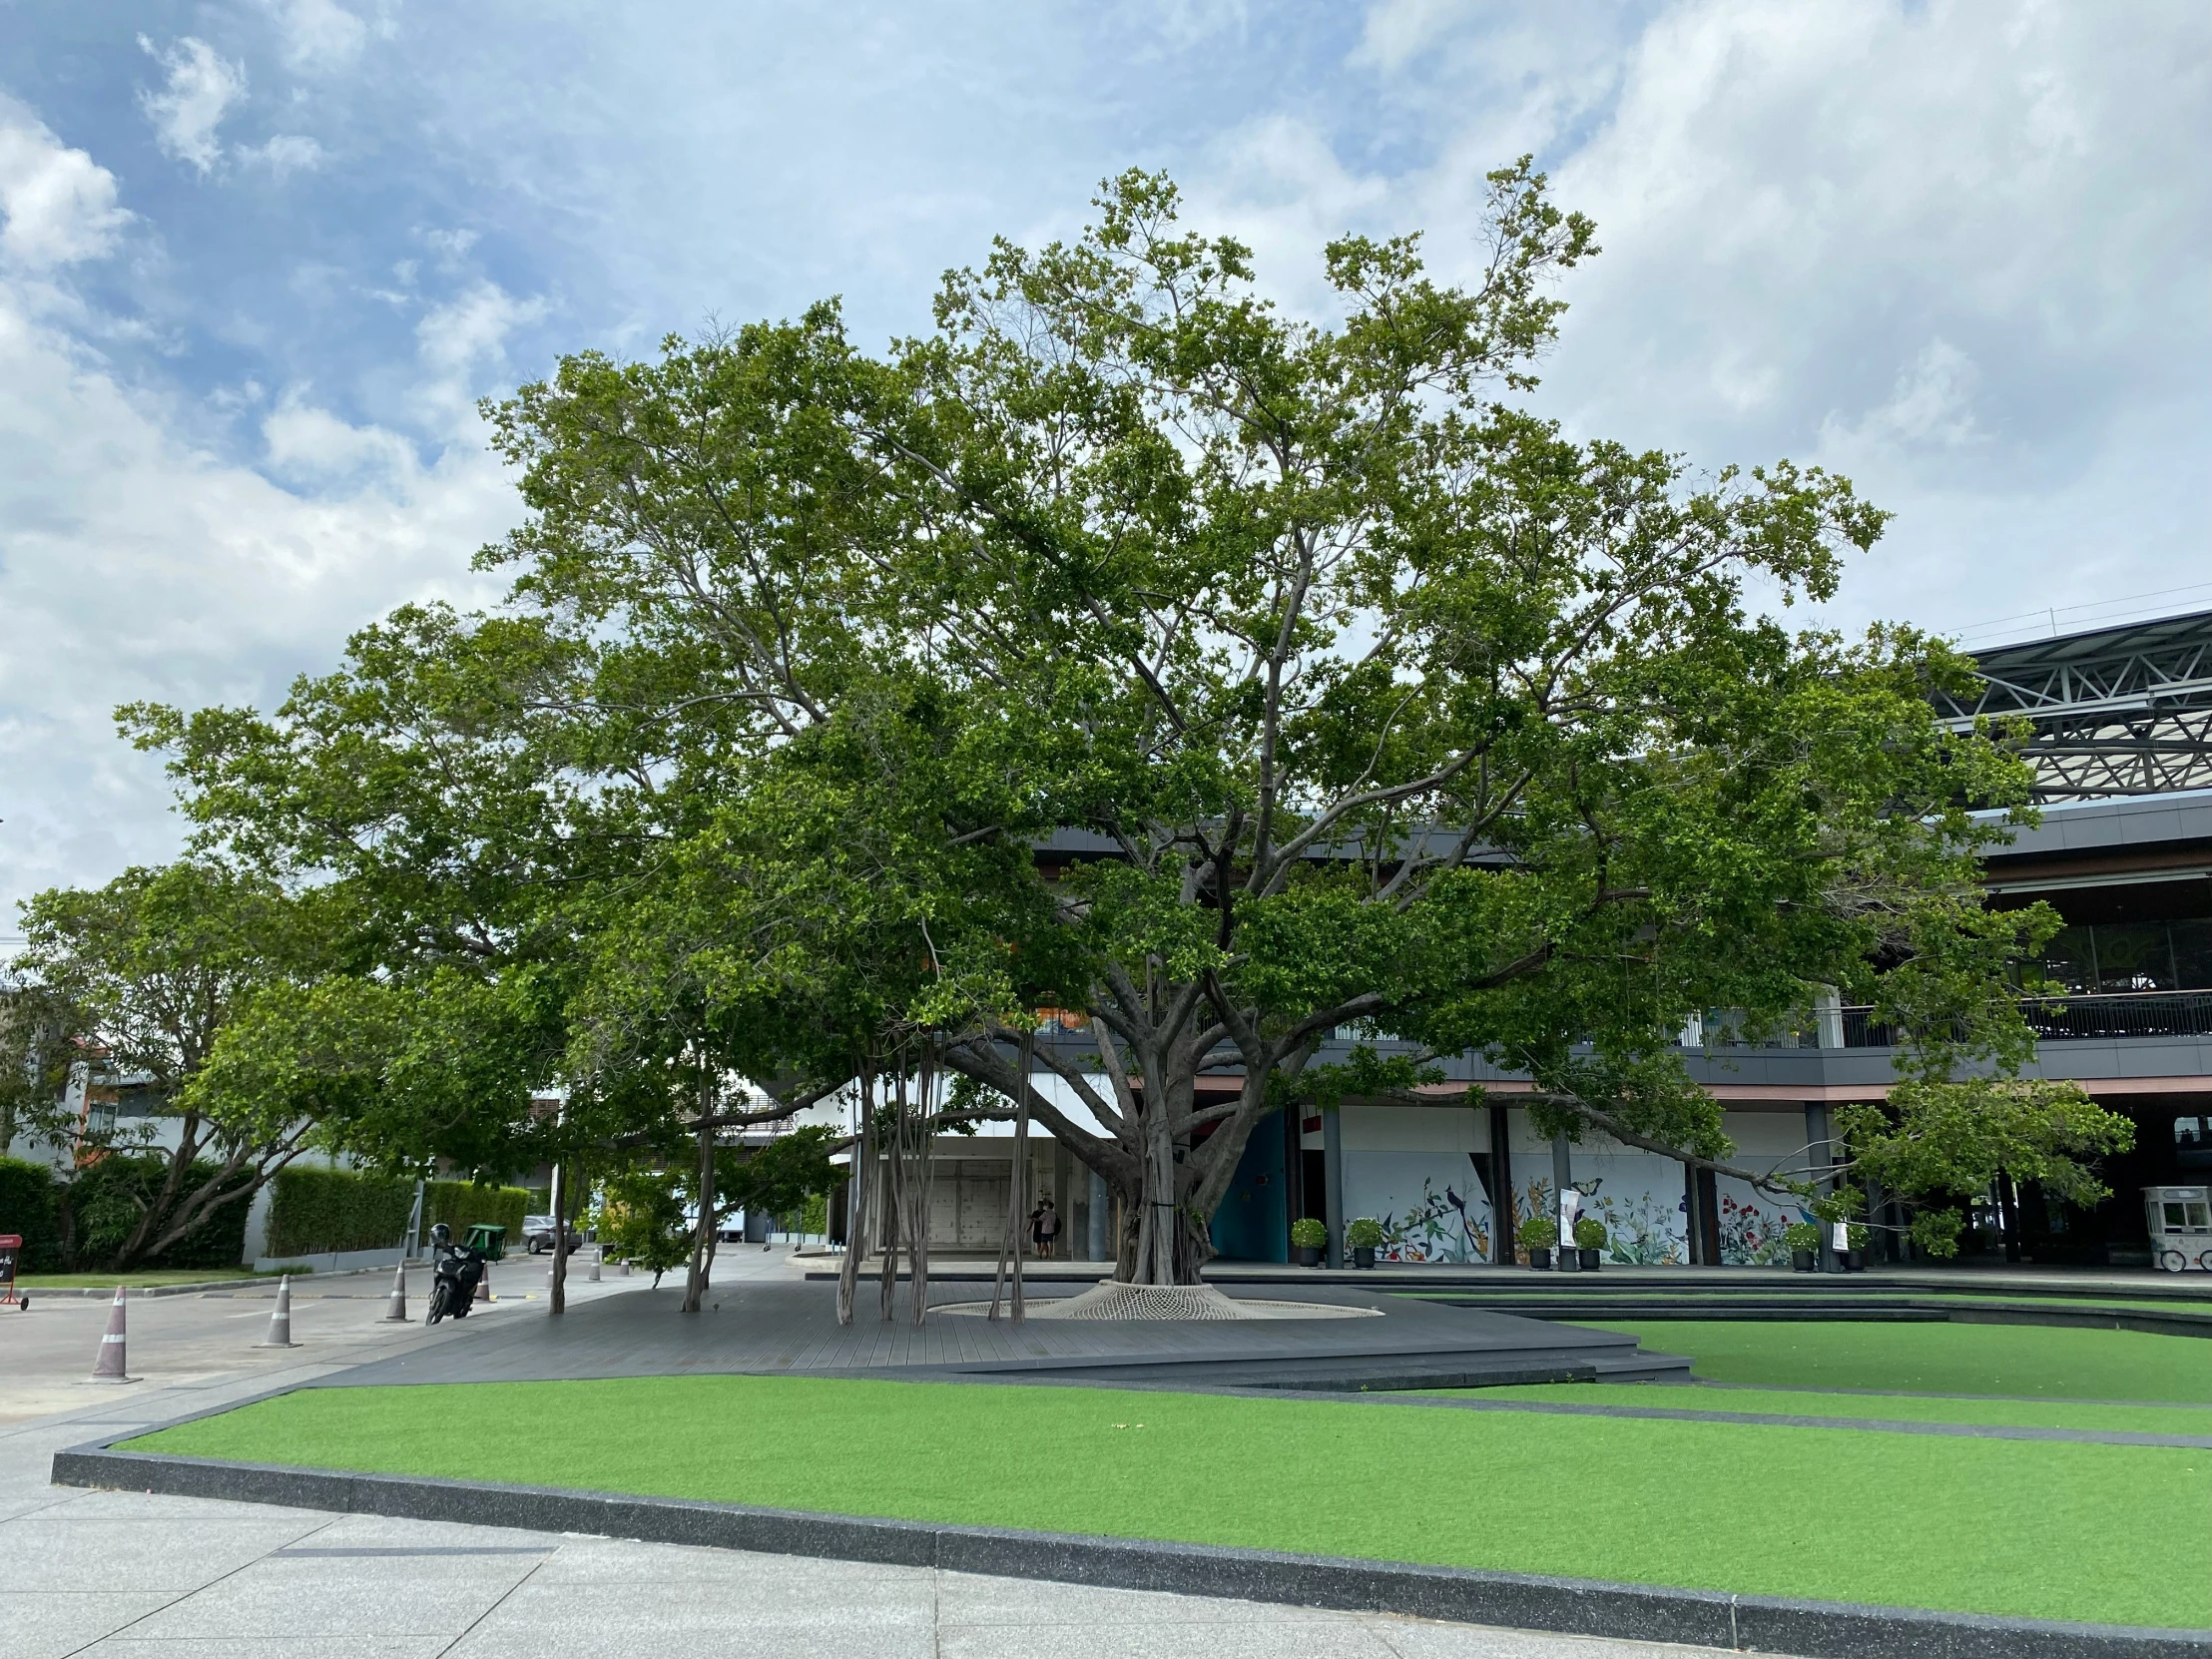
279,1318
108,1368
484,1287
592,1277
395,1311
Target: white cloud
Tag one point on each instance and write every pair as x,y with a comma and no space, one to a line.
457,337
1959,254
1398,31
312,446
59,205
200,91
136,564
283,155
318,34
133,564
1931,407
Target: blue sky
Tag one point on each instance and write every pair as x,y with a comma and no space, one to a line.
257,258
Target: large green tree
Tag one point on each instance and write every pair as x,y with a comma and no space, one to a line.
1394,707
1376,700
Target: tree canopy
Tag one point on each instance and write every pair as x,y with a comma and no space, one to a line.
1128,645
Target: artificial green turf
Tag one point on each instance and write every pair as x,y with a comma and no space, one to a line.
2061,1531
2024,1360
1871,1408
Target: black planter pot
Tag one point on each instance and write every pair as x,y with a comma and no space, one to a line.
1539,1256
1570,1262
1308,1256
1589,1258
1803,1261
1856,1261
1363,1256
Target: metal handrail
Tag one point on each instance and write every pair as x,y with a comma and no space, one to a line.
2076,1018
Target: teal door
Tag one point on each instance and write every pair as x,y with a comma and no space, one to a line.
1253,1223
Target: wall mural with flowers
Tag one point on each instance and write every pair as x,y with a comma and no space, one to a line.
1431,1204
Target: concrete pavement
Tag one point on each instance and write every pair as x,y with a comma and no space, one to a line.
128,1574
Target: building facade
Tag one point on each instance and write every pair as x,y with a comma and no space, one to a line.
2122,747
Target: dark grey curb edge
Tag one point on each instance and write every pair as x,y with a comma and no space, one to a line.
1819,1630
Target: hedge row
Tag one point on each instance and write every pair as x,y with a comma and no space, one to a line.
461,1204
28,1210
317,1210
81,1224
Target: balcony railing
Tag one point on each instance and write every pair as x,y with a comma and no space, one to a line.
2064,1018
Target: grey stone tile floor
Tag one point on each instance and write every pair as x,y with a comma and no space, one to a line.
134,1576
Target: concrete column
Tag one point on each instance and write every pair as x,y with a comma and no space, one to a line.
1063,1199
1501,1177
1819,1155
1562,1177
1102,1219
1332,1166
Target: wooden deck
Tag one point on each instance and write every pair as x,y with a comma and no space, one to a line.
783,1327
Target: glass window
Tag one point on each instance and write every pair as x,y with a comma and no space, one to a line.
2199,1219
2188,1131
2068,967
2192,953
2175,1219
2134,956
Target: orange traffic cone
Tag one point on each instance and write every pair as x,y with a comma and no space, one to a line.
108,1368
279,1318
395,1311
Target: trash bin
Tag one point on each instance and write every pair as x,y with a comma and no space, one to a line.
490,1240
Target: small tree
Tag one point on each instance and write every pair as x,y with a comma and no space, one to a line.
41,1037
641,1220
155,965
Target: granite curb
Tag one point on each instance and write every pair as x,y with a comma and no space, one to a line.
200,1286
1815,1630
2055,1314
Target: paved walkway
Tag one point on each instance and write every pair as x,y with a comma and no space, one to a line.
128,1576
781,1324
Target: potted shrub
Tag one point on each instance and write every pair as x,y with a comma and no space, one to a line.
1590,1241
1804,1240
1860,1235
1362,1233
1537,1235
1308,1237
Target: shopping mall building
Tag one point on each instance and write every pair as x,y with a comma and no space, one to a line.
2124,756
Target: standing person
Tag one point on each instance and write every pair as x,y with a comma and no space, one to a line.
1037,1228
1049,1230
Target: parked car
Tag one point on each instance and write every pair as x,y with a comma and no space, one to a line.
537,1234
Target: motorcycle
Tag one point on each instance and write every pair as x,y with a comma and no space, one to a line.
455,1273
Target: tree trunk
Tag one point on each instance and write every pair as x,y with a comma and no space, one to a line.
702,1235
859,1191
890,1201
924,1181
1165,1181
1016,1179
559,1296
